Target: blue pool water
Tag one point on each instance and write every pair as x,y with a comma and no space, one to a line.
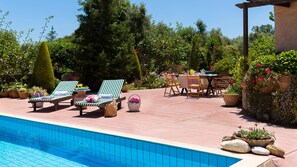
29,143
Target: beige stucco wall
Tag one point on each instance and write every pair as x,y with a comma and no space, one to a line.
286,27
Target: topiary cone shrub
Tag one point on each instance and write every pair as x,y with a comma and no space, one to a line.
43,73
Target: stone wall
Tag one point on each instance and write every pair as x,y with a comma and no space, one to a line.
286,27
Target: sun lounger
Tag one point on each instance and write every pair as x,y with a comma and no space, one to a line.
109,90
62,92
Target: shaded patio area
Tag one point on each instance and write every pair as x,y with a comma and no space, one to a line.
199,121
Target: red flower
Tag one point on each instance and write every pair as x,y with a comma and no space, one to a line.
243,85
267,70
259,65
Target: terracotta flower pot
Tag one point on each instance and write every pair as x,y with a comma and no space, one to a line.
284,82
231,99
14,94
23,95
5,93
266,90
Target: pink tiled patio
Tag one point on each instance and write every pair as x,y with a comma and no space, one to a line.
198,121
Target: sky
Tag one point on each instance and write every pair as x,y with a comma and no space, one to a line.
27,14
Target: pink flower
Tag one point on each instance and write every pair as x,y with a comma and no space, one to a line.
267,70
259,65
259,79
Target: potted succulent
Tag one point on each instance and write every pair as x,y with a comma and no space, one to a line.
36,91
232,95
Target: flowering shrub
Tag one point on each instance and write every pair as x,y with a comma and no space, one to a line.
134,100
260,77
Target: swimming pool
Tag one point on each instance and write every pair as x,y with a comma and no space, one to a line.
35,143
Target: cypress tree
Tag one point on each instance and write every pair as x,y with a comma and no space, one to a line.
137,63
43,73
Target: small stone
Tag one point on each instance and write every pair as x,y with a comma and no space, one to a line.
275,150
227,138
260,151
236,146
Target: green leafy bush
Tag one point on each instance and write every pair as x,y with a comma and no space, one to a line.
286,63
234,88
226,65
152,80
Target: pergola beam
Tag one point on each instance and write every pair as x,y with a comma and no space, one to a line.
257,3
250,4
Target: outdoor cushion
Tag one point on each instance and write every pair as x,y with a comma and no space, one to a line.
92,98
60,93
47,97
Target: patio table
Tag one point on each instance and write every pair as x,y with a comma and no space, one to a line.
209,78
206,80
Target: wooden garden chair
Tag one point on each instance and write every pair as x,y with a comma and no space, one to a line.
171,85
194,86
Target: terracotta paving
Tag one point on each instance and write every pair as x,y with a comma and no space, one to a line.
200,121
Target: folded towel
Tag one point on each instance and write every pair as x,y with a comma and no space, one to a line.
60,93
47,97
81,88
92,98
106,96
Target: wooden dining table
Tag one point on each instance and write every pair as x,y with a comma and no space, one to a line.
183,82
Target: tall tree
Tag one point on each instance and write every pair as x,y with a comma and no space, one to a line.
197,60
106,42
51,35
139,22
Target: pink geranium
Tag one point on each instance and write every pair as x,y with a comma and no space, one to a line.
134,100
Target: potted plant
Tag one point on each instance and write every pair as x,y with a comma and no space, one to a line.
14,87
4,90
255,136
23,93
285,65
232,95
36,91
134,102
